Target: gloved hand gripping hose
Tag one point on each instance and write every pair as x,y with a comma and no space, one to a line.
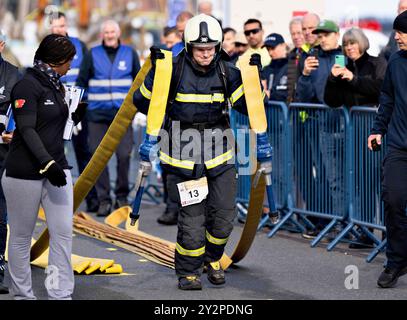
148,152
264,156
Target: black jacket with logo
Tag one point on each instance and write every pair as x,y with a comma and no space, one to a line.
199,99
40,112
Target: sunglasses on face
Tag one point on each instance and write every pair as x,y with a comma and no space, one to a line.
254,31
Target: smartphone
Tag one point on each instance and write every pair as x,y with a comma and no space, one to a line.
375,145
340,60
314,53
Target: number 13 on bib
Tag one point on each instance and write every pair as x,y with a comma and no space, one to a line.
193,192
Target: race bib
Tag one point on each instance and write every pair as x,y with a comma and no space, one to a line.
193,192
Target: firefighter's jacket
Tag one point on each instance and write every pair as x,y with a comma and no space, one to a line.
197,101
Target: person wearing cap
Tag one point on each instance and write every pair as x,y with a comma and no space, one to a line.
311,83
310,89
253,30
391,120
198,104
274,76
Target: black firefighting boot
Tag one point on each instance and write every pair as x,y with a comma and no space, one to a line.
216,275
189,283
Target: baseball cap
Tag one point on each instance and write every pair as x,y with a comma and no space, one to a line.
273,40
240,38
326,26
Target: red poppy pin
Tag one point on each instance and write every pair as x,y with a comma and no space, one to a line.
18,104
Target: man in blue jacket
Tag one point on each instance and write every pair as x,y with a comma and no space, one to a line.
79,141
391,119
274,76
318,64
108,72
321,165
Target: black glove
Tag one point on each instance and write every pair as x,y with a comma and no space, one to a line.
55,174
79,113
155,54
2,128
255,60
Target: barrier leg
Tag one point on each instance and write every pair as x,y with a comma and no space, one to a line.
308,224
150,195
323,233
340,236
376,251
280,223
297,224
263,222
370,235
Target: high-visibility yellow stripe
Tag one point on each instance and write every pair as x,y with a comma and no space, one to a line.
145,92
185,164
237,94
253,95
159,96
190,253
219,160
200,98
214,240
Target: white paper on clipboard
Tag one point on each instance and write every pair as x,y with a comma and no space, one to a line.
73,95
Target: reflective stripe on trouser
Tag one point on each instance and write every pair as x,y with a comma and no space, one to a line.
213,216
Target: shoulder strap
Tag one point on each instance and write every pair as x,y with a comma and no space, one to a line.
176,80
224,78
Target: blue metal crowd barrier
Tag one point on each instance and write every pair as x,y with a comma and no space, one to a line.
240,126
277,113
317,161
365,206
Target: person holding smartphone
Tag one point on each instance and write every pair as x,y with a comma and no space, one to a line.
357,82
318,64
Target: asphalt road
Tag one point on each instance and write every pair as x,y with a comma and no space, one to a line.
284,267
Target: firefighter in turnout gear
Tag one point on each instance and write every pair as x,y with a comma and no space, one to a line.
197,148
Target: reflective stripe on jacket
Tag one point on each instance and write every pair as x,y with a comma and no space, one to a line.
73,73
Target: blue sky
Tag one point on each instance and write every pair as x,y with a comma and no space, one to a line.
375,8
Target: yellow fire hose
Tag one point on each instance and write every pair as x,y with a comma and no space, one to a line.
119,127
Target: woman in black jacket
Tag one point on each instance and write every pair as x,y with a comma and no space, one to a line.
37,173
360,81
